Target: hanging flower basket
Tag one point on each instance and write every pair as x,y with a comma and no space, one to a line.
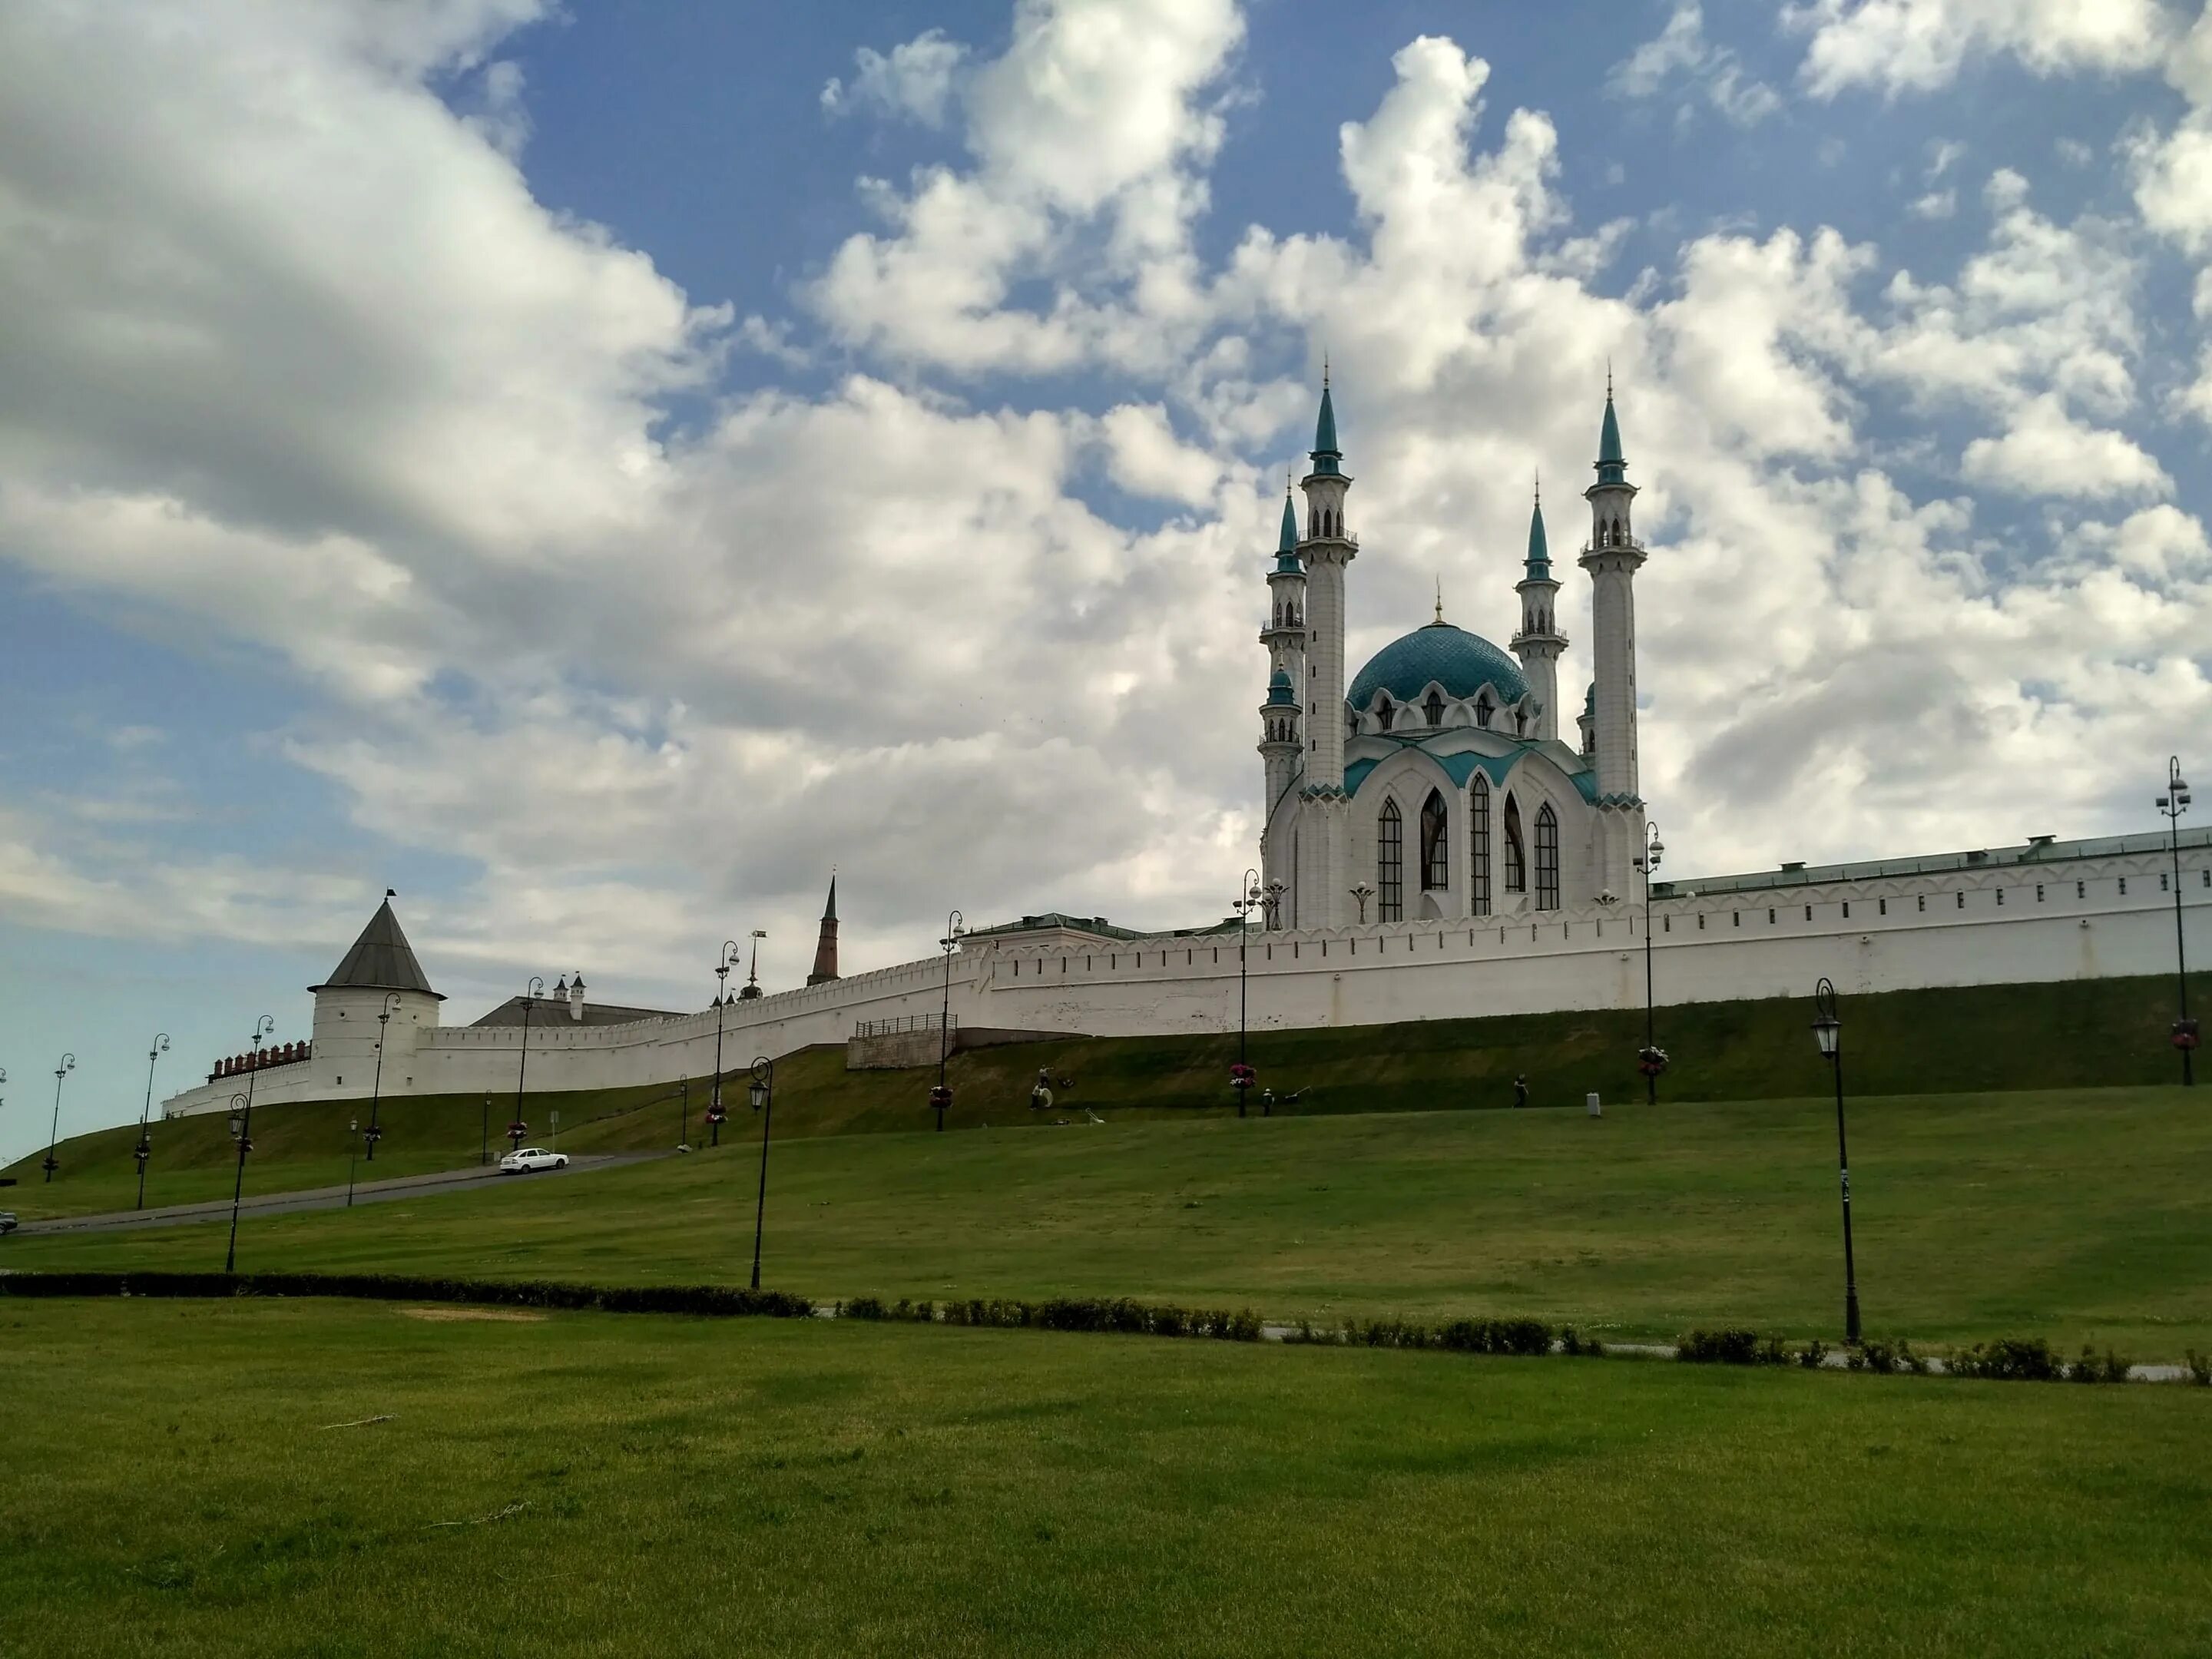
717,1115
940,1096
516,1130
1651,1061
1242,1076
2184,1034
372,1134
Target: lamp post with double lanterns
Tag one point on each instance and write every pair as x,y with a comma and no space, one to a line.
1651,1059
2173,803
353,1155
517,1129
144,1149
764,1097
1241,1075
53,1136
242,1128
376,1089
1828,1032
940,1098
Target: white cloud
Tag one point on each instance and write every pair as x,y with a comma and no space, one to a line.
918,79
1936,204
2047,453
397,430
1920,46
1681,56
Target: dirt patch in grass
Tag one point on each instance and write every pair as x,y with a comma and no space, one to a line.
503,1316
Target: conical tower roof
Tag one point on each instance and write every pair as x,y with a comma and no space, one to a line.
381,960
1540,552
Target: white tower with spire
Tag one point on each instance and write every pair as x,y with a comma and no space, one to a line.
1320,895
1613,558
1282,717
1539,642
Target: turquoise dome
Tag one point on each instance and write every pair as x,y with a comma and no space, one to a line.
1462,663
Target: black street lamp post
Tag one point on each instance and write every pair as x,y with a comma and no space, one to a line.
53,1136
517,1129
376,1089
483,1155
683,1114
721,997
1652,1060
1828,1032
763,1097
2173,803
1240,1074
353,1155
940,1098
144,1149
241,1125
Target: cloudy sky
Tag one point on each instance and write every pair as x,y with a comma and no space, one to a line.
591,467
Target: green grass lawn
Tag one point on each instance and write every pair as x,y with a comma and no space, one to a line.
2082,1217
672,1486
2073,1034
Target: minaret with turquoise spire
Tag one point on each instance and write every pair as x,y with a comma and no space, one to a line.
1613,558
1282,721
1540,642
1320,896
1327,550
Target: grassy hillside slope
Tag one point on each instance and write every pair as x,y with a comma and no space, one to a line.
2090,1034
2077,1216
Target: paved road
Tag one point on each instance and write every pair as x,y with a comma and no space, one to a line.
320,1198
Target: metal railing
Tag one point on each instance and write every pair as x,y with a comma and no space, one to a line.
870,1028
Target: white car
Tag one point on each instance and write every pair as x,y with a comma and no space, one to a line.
527,1158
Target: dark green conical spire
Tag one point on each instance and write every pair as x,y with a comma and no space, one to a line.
1612,464
1289,543
1326,456
1540,552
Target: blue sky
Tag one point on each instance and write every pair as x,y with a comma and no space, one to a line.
579,468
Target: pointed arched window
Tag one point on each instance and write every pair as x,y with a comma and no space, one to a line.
1385,714
1434,709
1482,708
1390,864
1478,845
1547,857
1516,850
1436,851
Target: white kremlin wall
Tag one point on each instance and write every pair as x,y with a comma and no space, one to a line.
2049,912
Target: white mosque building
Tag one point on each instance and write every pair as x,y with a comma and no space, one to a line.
1439,788
1433,848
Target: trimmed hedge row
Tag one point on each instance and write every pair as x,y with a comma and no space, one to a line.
714,1300
1514,1336
2008,1359
1063,1314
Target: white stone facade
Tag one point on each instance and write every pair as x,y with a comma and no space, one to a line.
2046,912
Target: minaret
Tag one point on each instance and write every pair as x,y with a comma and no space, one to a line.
825,949
1326,550
1611,558
1540,642
1320,894
1282,724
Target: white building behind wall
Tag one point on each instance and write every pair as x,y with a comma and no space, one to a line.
1434,848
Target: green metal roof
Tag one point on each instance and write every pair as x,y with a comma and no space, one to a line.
1460,662
1326,455
381,960
1289,543
1278,688
1612,464
1540,552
